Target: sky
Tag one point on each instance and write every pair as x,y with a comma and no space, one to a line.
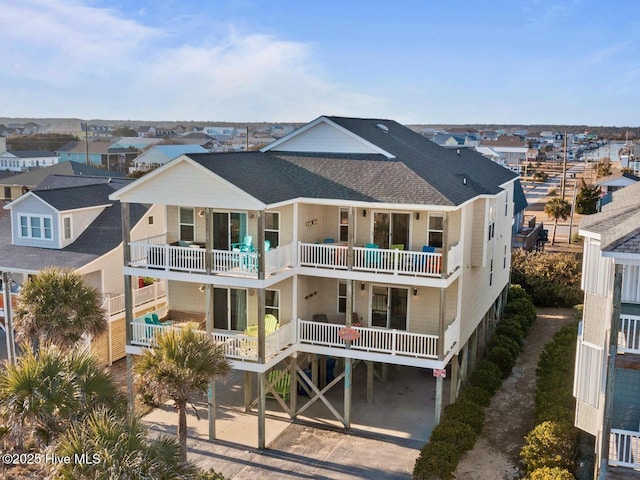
573,62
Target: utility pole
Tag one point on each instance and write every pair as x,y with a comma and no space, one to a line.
86,142
573,209
564,165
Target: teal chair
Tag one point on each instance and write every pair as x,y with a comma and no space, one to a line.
156,320
372,258
245,246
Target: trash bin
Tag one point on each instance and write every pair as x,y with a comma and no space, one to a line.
331,365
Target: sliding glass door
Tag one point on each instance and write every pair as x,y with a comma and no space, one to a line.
230,309
391,229
389,307
228,228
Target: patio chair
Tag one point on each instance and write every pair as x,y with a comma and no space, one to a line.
156,320
372,259
270,324
397,246
282,385
245,246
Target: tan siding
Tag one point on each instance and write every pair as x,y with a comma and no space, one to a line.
185,297
586,418
100,349
597,317
310,233
182,183
479,238
286,224
118,339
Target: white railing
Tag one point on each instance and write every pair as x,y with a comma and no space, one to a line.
191,259
624,448
243,347
454,258
149,294
451,335
379,340
629,334
237,346
322,255
13,297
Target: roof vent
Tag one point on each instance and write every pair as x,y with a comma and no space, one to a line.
382,127
458,151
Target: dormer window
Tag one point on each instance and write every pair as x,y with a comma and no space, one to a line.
67,232
35,226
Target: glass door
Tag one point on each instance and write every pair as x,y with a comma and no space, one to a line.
391,229
228,228
230,309
389,307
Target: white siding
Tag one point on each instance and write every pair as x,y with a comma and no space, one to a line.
324,138
596,270
631,284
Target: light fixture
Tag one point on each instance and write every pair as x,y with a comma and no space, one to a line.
417,215
201,213
252,292
415,292
201,288
364,213
362,286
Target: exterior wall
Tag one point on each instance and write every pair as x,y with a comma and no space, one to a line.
144,229
477,214
324,138
34,206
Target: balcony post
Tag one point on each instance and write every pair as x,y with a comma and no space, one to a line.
8,319
262,404
611,368
128,297
444,267
348,315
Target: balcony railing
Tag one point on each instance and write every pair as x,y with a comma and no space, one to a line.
392,261
624,448
148,295
629,334
239,346
154,253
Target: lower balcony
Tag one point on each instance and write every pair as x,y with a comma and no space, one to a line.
624,448
368,343
629,334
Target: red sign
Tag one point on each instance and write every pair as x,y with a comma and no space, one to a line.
439,372
348,334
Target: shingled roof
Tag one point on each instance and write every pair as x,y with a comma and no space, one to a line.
419,172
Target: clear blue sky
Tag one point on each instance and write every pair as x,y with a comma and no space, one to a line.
415,61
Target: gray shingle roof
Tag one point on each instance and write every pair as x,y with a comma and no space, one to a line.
422,172
32,153
34,177
77,197
66,181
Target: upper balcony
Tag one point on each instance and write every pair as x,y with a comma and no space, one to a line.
155,253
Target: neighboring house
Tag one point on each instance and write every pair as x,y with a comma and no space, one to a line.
67,127
221,134
197,138
21,160
453,140
80,228
491,155
14,186
513,149
611,183
135,142
343,222
158,155
607,377
100,153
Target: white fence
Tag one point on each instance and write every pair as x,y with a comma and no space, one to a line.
624,448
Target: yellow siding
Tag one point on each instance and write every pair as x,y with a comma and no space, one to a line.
118,339
100,349
478,238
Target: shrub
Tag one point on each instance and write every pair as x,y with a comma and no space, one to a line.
486,376
466,412
500,340
516,292
521,320
476,395
503,358
552,279
457,433
546,473
511,330
549,444
523,307
210,474
436,461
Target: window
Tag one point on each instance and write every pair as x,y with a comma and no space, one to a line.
492,223
67,233
435,231
272,228
344,225
7,193
342,296
272,303
504,258
150,219
187,224
491,272
35,226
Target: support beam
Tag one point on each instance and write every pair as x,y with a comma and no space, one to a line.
8,319
370,372
438,406
455,370
247,391
128,299
262,406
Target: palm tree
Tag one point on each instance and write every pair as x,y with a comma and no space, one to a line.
181,363
116,447
58,306
557,208
47,391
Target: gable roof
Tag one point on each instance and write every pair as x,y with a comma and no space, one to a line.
37,175
401,167
32,153
100,237
67,181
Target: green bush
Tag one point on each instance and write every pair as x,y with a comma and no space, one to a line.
486,376
500,340
456,433
477,395
510,329
503,358
466,412
546,473
516,292
552,279
549,444
210,474
521,307
436,461
520,320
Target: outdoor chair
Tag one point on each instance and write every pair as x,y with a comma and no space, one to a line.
156,320
282,385
245,246
372,259
270,324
